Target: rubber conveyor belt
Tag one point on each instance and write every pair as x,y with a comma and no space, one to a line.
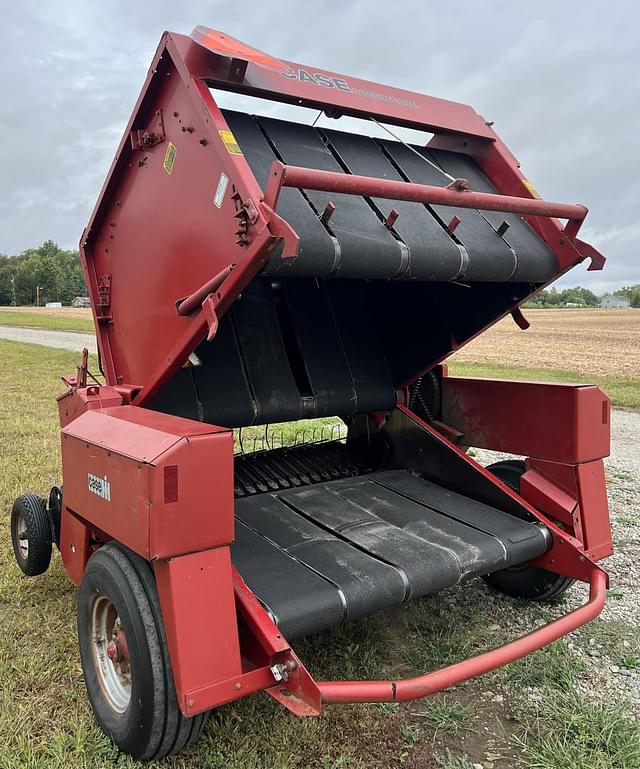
320,554
355,243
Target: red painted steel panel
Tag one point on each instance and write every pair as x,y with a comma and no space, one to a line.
202,515
74,545
156,230
199,613
594,509
75,402
558,422
281,80
114,462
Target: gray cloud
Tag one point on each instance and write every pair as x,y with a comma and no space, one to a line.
560,81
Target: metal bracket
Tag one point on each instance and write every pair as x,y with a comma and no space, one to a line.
519,319
144,138
209,310
104,291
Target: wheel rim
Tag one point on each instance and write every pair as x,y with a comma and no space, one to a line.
110,653
22,537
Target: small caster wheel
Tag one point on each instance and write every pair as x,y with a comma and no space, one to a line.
523,580
31,534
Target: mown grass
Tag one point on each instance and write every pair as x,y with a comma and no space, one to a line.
41,320
46,722
623,391
574,734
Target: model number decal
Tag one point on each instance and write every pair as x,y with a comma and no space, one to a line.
99,486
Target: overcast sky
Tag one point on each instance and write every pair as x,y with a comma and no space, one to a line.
560,79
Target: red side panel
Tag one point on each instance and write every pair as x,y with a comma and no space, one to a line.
74,545
199,613
159,484
557,422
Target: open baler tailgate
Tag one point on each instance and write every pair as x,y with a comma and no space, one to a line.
190,193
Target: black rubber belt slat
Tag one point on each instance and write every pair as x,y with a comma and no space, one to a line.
318,252
468,550
535,261
433,254
522,539
427,566
361,343
376,539
178,397
321,348
366,583
367,248
265,357
226,400
288,596
490,258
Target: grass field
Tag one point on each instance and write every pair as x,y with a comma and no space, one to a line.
64,319
45,719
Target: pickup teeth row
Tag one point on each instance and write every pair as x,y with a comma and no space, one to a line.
286,468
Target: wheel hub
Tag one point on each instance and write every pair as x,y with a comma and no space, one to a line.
23,538
110,653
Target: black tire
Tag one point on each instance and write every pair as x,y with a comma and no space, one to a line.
523,581
149,725
31,534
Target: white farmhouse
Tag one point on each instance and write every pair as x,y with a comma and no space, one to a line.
612,301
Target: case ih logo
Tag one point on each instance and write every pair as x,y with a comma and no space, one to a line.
329,81
317,78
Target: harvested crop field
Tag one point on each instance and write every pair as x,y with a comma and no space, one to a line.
590,342
53,312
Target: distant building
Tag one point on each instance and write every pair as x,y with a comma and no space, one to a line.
613,301
81,301
53,305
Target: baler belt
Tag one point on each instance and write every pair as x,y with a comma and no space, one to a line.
490,258
533,255
354,241
321,554
433,254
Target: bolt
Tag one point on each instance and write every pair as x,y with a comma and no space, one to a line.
112,651
237,686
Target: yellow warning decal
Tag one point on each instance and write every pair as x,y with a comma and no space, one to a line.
532,189
230,143
169,157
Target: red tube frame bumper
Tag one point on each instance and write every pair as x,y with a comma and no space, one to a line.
430,683
455,194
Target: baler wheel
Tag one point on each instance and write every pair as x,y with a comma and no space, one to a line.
125,659
524,580
31,534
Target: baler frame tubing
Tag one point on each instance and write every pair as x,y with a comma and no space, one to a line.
430,683
455,195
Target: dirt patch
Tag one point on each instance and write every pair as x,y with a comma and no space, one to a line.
604,342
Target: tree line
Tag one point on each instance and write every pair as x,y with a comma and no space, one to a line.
48,273
581,297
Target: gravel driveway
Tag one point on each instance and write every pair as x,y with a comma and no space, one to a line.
608,646
67,340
